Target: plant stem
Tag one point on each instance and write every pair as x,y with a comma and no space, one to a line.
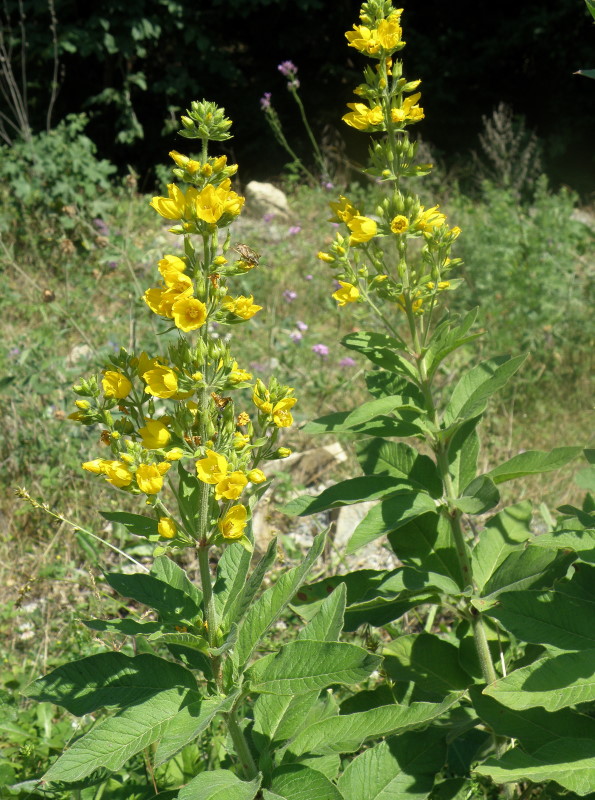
207,590
483,649
241,746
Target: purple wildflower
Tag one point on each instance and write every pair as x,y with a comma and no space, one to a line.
294,229
347,362
101,227
328,185
287,68
301,326
267,217
14,352
296,336
265,101
309,277
320,350
289,295
112,264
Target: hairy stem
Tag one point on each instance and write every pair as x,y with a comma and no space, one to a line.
241,746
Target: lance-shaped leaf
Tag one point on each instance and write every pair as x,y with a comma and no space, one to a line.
478,497
266,610
354,490
390,515
107,680
232,571
303,666
552,682
326,625
449,336
426,660
401,767
191,719
568,762
170,602
127,626
378,457
371,419
381,383
533,462
254,582
381,349
477,385
427,544
533,727
188,492
219,784
166,570
544,617
347,732
114,740
137,524
462,454
298,782
581,541
503,533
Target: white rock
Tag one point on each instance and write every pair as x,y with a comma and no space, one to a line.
264,198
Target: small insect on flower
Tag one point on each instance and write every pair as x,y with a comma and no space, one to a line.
219,401
247,254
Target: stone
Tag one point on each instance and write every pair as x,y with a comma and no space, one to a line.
264,198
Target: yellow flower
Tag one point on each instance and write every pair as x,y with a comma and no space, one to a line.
363,39
117,473
256,476
431,218
82,404
237,375
442,285
171,268
283,452
281,414
243,307
233,523
116,385
97,466
388,33
231,487
399,224
166,527
416,303
212,202
161,382
343,211
243,418
348,293
155,434
189,164
455,232
143,363
262,403
189,313
171,207
240,440
409,111
363,118
362,229
174,454
326,257
213,468
149,477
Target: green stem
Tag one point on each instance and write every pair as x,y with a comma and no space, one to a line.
241,746
317,154
483,649
207,590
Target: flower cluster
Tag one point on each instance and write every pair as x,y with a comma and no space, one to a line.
359,254
156,410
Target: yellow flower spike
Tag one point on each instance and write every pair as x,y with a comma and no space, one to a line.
166,527
171,207
256,476
149,478
241,306
363,118
116,385
233,523
161,382
117,473
213,468
348,293
281,412
231,487
189,314
399,224
97,466
174,454
362,229
154,434
184,162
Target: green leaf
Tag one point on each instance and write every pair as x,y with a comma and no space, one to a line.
134,523
552,682
533,567
588,73
355,420
477,385
533,727
502,534
389,515
188,493
401,767
379,457
549,618
381,349
426,660
591,7
232,571
427,543
191,719
170,602
127,626
449,336
533,462
347,732
326,625
582,542
266,610
478,497
568,762
463,451
297,782
354,490
381,383
108,679
166,570
303,666
116,739
254,582
219,784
